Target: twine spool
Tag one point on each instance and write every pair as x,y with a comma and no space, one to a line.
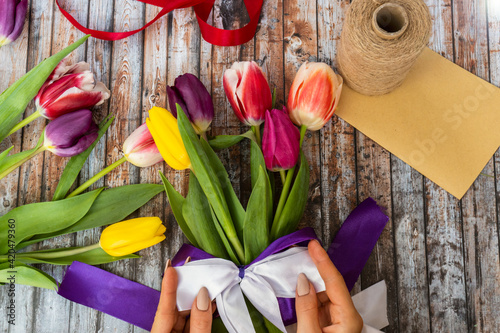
380,42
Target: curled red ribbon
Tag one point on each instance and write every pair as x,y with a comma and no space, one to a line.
202,9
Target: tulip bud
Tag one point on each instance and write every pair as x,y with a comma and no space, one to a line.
163,126
69,88
140,148
280,142
12,16
70,134
314,95
248,92
123,238
194,99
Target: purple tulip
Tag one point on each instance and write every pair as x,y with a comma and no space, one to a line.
12,16
281,141
70,134
194,99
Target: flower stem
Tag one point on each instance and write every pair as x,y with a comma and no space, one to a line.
283,176
57,254
303,130
286,188
92,180
256,131
20,162
283,197
25,122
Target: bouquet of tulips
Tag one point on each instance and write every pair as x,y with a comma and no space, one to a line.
211,215
64,93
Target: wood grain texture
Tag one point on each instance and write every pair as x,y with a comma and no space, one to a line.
439,256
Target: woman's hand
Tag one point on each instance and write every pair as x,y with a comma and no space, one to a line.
169,319
329,311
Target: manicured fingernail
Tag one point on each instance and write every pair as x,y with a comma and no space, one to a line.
316,241
188,259
169,264
302,285
203,300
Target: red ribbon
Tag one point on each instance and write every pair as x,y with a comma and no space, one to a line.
202,9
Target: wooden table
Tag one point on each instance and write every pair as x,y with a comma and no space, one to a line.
438,255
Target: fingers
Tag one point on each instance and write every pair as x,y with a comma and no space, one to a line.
306,306
201,313
334,282
166,314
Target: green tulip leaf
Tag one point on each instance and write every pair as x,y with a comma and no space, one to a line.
43,217
75,164
5,153
196,213
95,256
26,275
235,208
256,162
176,201
224,141
218,326
208,179
295,203
224,239
111,206
10,163
15,99
256,229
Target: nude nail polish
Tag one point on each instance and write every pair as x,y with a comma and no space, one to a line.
169,264
203,299
188,259
302,285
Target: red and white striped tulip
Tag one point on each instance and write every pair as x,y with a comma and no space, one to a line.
69,88
248,92
314,95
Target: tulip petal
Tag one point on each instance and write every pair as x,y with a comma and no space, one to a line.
71,134
71,100
163,127
198,102
7,17
21,10
230,82
174,97
140,149
129,236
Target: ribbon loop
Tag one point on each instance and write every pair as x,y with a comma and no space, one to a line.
202,8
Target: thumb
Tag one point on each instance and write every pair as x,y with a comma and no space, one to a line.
306,306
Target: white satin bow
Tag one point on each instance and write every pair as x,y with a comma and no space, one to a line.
262,282
274,276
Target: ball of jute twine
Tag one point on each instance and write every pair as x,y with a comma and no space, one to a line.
380,42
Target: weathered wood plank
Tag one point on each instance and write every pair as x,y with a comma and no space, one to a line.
494,57
126,105
481,252
338,152
374,180
443,218
13,65
84,319
300,45
47,305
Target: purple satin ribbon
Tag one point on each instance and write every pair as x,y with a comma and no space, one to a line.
136,303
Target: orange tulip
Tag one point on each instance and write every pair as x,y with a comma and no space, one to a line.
314,95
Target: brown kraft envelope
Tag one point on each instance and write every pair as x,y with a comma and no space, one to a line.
443,121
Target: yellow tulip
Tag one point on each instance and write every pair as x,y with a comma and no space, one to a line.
130,236
163,126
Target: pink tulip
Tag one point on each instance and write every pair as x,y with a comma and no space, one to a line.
314,95
140,148
69,88
248,92
280,142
